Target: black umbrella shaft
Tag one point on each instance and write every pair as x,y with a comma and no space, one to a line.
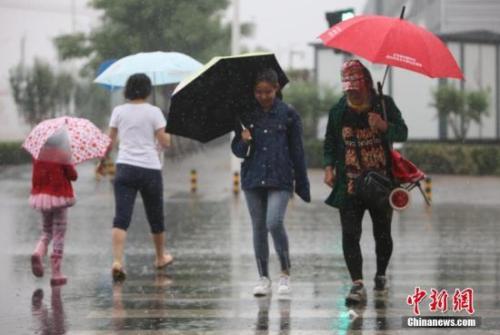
402,15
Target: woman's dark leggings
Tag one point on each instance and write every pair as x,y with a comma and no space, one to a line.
351,217
128,181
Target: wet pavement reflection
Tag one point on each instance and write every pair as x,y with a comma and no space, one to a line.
208,288
48,320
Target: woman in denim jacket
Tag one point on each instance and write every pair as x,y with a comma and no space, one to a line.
273,167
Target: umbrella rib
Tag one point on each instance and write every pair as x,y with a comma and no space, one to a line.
427,52
419,36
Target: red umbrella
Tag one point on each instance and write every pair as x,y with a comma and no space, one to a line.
393,41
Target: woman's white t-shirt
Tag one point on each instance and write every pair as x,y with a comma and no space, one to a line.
136,124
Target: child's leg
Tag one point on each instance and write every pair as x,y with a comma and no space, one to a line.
46,229
42,244
58,231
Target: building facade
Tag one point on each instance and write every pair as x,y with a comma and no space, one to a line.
27,30
471,30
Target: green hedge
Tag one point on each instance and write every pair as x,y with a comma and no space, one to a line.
313,149
433,158
12,153
454,158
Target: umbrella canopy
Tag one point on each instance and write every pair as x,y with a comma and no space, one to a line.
393,41
210,102
102,67
161,67
79,137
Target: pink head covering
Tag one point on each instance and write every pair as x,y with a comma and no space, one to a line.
355,76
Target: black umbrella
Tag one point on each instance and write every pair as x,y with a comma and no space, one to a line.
211,103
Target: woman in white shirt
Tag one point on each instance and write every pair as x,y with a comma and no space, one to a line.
139,128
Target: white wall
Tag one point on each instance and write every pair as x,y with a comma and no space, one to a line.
412,93
38,22
468,15
479,63
328,75
328,67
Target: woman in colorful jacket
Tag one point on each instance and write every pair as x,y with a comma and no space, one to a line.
357,130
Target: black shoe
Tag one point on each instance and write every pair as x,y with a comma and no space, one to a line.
357,294
380,283
36,298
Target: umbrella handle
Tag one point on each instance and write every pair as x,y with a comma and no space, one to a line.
249,149
384,111
402,15
382,101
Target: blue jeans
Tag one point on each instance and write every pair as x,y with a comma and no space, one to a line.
128,181
267,210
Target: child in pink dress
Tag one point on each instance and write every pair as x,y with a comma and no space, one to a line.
52,194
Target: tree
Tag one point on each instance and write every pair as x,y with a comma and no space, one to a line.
311,102
193,27
129,26
92,102
460,108
39,92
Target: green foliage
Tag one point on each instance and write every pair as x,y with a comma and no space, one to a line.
460,108
433,158
39,92
477,104
72,46
313,149
12,153
128,26
93,103
451,158
311,102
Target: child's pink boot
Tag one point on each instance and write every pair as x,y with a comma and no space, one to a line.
57,276
37,258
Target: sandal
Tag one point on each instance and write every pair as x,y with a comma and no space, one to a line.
163,266
117,273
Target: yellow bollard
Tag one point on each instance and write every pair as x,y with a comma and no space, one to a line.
194,181
236,183
428,189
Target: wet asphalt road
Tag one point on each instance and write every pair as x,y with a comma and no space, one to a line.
208,289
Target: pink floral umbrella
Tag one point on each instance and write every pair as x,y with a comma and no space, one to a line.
85,140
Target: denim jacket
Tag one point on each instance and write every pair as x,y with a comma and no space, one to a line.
274,158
